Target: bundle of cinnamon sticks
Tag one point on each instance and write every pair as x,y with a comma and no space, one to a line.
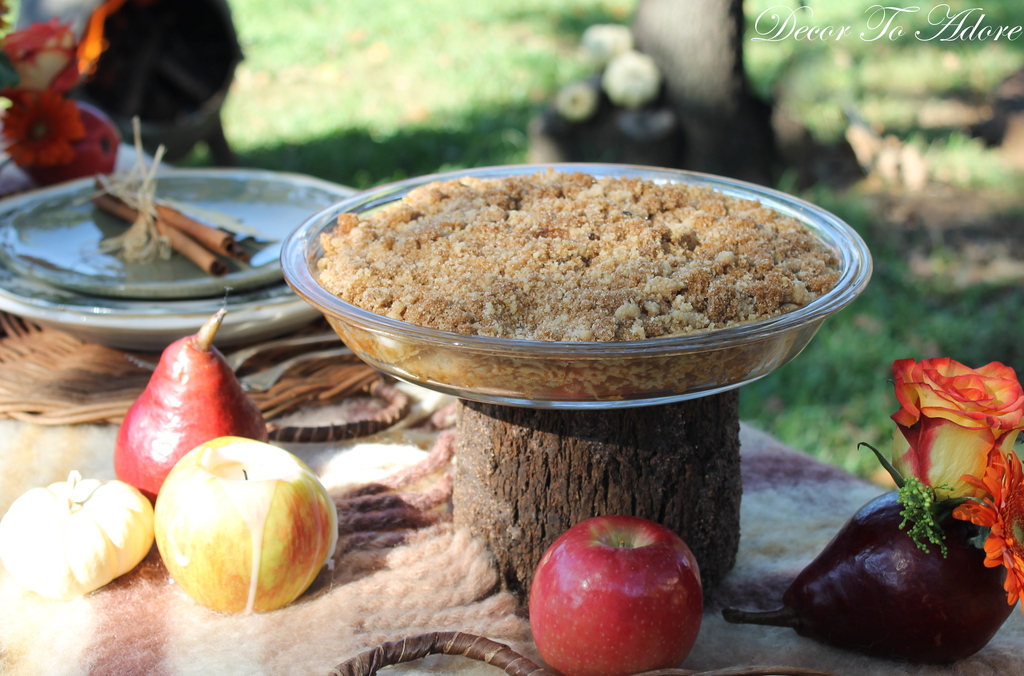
202,244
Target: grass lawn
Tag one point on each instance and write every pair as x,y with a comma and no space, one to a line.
364,92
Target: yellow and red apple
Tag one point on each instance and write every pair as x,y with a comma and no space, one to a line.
615,595
243,525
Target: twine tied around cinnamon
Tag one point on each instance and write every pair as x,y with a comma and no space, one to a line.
143,242
156,228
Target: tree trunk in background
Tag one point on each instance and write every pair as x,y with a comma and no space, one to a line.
524,476
698,45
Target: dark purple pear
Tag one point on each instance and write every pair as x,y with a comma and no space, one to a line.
873,590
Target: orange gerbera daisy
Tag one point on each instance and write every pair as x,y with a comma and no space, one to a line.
39,128
1002,510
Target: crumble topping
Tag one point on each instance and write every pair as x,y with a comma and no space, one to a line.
568,257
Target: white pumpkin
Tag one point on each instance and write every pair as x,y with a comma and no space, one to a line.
75,536
632,79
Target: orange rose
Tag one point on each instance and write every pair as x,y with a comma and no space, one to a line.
44,56
951,418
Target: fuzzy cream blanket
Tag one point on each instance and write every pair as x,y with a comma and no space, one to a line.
402,570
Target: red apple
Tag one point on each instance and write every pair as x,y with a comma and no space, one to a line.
95,153
616,595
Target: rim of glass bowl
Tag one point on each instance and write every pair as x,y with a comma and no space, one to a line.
301,250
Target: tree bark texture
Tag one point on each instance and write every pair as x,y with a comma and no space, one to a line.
698,46
524,476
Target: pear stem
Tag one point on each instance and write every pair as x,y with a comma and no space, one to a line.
204,337
782,617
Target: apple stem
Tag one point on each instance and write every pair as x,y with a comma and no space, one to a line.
204,336
781,617
245,474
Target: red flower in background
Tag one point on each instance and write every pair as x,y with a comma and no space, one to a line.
40,127
50,137
44,55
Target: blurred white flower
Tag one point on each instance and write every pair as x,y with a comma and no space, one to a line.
577,101
604,41
631,79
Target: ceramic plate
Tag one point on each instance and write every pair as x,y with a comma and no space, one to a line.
53,235
128,324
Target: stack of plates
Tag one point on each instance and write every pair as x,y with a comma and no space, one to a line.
54,272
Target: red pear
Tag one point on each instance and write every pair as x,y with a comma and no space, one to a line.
192,397
874,591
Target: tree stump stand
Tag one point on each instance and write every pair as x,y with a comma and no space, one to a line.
524,476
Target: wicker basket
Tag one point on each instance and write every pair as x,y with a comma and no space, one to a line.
49,377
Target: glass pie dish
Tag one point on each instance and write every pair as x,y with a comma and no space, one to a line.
566,375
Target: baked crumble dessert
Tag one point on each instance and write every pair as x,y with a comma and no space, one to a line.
569,257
